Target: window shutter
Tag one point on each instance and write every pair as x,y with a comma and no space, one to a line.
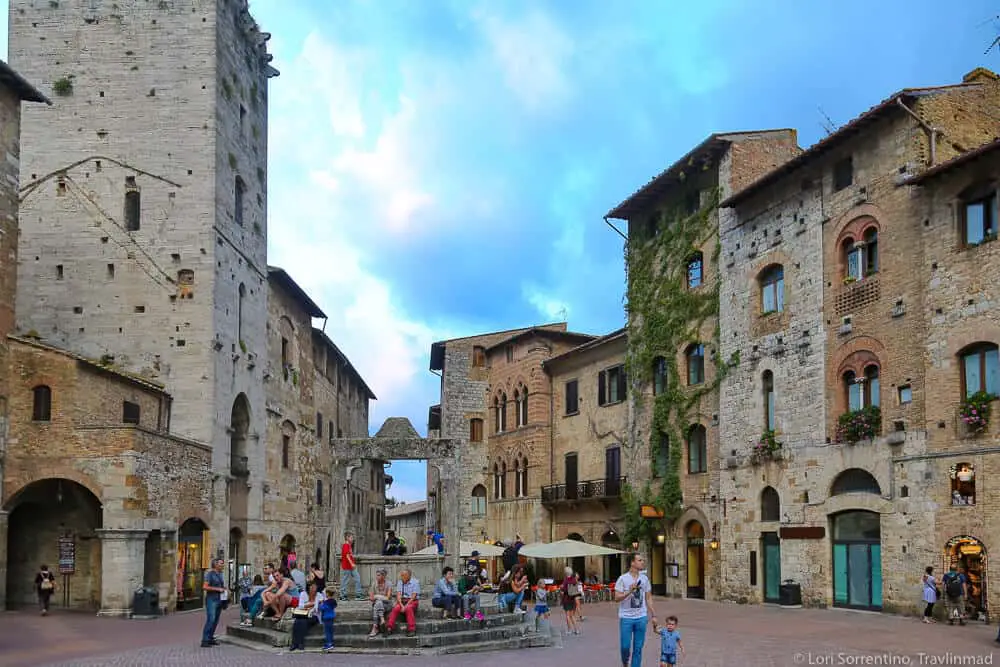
601,391
622,383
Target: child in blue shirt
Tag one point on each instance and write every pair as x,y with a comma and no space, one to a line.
670,641
327,614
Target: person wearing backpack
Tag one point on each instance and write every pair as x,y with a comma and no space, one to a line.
955,590
45,584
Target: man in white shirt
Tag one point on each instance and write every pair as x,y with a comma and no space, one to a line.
634,596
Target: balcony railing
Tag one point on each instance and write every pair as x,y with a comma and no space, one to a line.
239,466
593,489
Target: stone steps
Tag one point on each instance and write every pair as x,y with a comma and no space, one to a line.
434,635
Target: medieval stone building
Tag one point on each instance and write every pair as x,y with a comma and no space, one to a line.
143,252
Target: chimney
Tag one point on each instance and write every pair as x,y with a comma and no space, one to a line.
980,75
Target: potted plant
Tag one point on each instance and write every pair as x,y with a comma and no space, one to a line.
975,411
858,425
849,279
767,447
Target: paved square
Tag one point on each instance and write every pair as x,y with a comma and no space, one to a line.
714,634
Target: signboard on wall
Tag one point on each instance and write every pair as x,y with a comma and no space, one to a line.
650,512
67,555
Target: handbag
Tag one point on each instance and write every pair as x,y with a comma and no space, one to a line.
46,584
301,613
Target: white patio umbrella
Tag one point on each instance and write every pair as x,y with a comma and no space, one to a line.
565,549
465,549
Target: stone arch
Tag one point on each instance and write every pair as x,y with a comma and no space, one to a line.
770,504
854,355
858,219
985,332
855,480
692,513
43,514
56,472
239,428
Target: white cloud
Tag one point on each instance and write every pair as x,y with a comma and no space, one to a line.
533,54
550,307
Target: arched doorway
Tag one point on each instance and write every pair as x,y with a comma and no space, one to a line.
857,560
192,555
969,553
612,564
239,427
54,522
695,533
288,555
578,564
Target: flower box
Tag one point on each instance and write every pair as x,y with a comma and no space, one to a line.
859,425
974,412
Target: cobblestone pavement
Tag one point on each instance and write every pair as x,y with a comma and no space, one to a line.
715,635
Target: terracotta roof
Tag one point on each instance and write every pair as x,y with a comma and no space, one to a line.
437,349
886,106
91,363
957,161
27,92
546,333
597,342
705,152
405,509
281,277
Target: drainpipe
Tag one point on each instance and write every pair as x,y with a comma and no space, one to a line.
932,131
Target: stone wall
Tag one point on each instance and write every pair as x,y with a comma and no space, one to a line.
111,481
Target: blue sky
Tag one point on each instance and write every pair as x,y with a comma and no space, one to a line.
440,168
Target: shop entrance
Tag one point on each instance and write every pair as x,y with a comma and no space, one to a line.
968,552
696,560
857,560
192,543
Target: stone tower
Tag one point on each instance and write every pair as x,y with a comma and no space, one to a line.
143,222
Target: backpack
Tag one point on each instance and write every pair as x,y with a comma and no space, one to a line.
953,587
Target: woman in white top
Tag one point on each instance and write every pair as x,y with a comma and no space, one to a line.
305,616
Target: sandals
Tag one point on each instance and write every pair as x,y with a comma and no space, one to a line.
373,634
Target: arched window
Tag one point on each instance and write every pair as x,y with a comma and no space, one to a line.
242,294
659,375
852,257
767,381
855,480
524,406
772,290
864,391
871,251
503,479
770,505
496,480
41,410
697,450
694,270
497,426
696,363
517,478
503,412
517,407
479,500
980,369
524,477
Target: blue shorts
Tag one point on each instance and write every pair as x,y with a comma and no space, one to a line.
541,609
668,658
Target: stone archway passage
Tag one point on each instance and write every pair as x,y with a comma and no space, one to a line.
192,541
54,522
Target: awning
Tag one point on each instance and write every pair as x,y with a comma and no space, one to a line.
565,549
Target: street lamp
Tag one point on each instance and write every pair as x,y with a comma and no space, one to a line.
714,544
635,546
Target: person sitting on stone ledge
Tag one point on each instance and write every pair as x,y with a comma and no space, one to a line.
407,598
518,587
380,596
393,546
277,598
470,586
446,596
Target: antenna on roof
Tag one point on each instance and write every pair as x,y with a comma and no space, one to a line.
827,123
563,313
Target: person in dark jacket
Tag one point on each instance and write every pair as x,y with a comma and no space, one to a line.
45,586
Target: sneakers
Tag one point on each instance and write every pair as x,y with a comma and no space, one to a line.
328,649
479,616
518,610
467,616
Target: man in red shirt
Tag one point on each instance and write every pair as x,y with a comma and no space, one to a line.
349,568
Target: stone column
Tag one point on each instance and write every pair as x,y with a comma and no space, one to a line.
123,559
450,506
3,559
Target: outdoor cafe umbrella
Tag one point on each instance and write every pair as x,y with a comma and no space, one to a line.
565,549
465,550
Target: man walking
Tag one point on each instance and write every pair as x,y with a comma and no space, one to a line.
634,596
349,568
214,587
955,591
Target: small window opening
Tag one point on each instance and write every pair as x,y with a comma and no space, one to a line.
111,270
78,310
843,173
130,413
59,271
133,204
140,309
238,206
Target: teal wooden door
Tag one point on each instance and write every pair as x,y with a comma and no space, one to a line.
772,567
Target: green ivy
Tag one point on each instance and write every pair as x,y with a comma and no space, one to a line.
664,317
